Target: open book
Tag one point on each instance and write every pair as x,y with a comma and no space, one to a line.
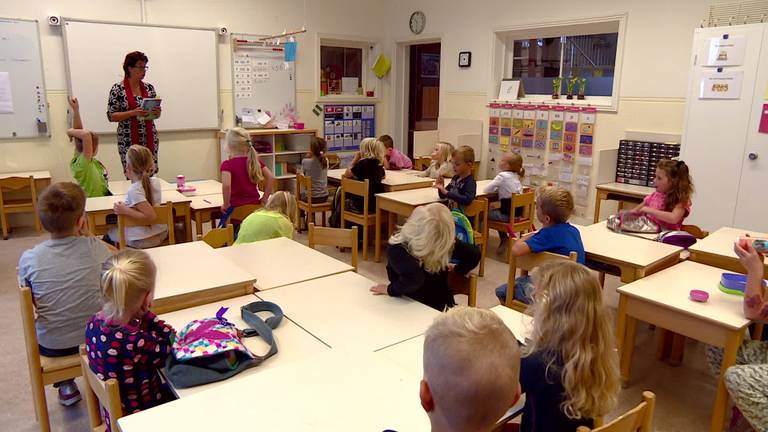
149,104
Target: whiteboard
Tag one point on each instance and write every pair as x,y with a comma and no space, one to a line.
21,66
262,79
183,67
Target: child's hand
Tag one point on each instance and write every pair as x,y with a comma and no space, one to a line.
439,181
751,259
224,208
440,187
356,158
120,208
73,102
379,289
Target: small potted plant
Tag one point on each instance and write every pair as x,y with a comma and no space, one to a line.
570,84
582,88
556,83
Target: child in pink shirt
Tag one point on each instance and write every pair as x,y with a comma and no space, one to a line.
395,160
671,203
241,173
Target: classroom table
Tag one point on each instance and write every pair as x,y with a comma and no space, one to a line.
98,208
293,343
662,299
620,192
192,274
341,311
402,203
42,178
203,206
717,249
394,180
120,187
203,187
281,261
636,257
333,391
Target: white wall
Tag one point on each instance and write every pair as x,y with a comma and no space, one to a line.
191,153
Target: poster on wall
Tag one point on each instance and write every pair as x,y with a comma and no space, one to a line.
726,50
721,85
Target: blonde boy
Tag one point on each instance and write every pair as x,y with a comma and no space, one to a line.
471,369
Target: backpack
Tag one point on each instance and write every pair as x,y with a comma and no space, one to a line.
211,349
464,230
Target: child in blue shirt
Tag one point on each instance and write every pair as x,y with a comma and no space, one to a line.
554,206
461,191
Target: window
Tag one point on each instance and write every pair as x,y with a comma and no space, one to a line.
343,68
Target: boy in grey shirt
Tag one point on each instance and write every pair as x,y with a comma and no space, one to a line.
64,276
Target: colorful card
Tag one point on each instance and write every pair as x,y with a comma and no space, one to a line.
527,143
505,122
554,146
570,137
585,150
585,139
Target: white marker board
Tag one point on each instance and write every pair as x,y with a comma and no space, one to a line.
23,106
183,67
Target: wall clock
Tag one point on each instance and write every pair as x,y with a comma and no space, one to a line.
417,22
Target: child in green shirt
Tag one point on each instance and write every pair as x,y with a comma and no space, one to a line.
86,169
273,221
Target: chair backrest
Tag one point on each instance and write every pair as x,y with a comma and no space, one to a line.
28,325
355,187
219,237
527,263
18,183
100,393
526,201
163,216
421,163
334,237
638,419
243,211
477,212
466,285
695,231
303,184
334,161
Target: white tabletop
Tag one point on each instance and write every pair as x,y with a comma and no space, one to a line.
671,288
281,261
38,175
414,197
191,267
391,177
202,202
120,187
204,187
108,202
627,188
330,392
600,241
293,343
721,241
341,311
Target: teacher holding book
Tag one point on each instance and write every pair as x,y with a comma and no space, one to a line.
133,104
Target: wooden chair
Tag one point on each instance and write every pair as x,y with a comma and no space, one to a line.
526,263
477,212
163,216
219,237
10,206
343,238
304,184
366,218
333,160
638,419
466,285
522,224
695,231
43,370
421,163
243,211
99,394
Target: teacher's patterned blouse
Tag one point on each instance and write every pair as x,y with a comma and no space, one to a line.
119,103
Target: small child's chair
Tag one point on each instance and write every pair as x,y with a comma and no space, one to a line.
638,419
526,263
477,212
343,238
366,218
43,370
219,237
524,223
99,394
163,216
466,285
9,206
304,184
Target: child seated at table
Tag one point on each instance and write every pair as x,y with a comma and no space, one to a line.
394,159
63,274
368,164
461,191
670,204
242,172
441,162
275,220
315,166
88,171
418,257
569,371
554,206
143,195
125,340
506,183
471,365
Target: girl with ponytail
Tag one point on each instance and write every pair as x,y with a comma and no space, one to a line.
671,203
125,340
142,196
243,173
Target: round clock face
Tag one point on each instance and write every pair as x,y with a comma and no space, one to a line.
417,22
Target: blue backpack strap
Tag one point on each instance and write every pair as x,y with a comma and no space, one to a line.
260,327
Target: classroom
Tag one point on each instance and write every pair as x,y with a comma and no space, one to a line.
384,215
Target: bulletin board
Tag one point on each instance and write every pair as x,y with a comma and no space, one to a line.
345,126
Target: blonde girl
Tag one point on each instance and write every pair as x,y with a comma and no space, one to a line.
276,219
418,257
125,340
368,164
670,204
441,162
569,372
143,194
507,182
242,172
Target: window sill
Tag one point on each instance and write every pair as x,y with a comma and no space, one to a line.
601,103
347,99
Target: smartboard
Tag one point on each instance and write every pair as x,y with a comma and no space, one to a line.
23,105
183,67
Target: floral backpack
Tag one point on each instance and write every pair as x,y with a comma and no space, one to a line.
211,349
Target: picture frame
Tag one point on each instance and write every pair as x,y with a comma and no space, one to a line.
465,59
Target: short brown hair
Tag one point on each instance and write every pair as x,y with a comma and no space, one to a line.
387,141
131,59
60,206
79,142
556,202
466,153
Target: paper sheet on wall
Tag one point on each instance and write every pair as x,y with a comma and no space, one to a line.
721,85
726,51
6,97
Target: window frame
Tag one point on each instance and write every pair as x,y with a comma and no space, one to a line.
503,52
369,47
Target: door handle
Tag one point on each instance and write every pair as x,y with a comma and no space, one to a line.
752,156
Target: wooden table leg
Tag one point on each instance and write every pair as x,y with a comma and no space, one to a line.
721,397
628,350
621,323
598,199
377,236
198,223
188,225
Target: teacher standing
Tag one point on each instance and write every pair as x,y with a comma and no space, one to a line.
124,107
